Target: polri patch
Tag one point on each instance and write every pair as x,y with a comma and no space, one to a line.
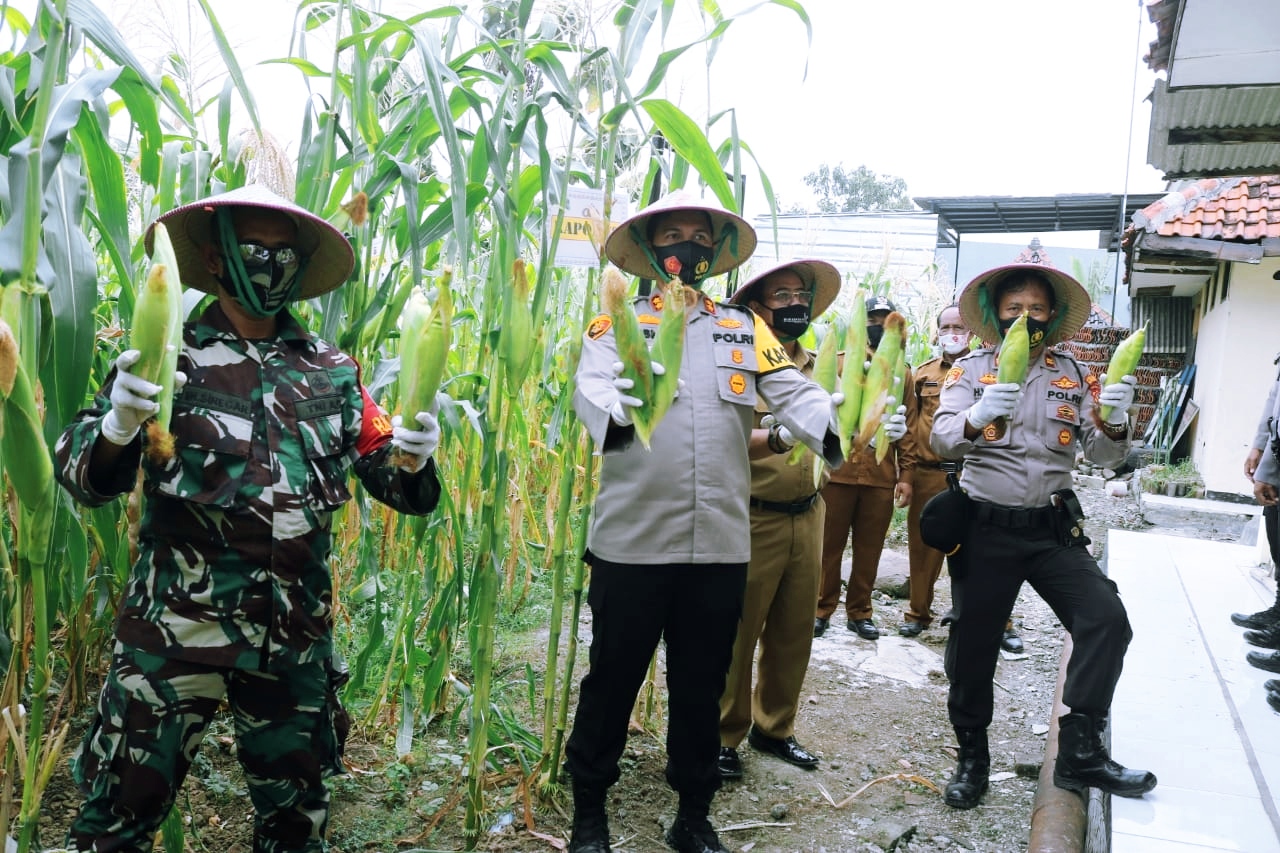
737,383
990,432
1066,413
601,324
649,319
953,376
988,379
656,301
729,323
1065,383
736,355
1050,361
708,305
1064,437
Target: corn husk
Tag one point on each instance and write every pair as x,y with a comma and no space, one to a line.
426,331
1124,361
852,375
633,352
668,350
879,383
517,330
157,335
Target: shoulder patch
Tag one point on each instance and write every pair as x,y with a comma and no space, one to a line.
1065,383
1050,361
953,376
656,301
598,326
708,305
988,379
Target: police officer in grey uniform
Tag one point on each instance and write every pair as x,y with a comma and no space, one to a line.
1018,443
670,539
1265,623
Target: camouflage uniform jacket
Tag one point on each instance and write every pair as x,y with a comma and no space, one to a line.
233,563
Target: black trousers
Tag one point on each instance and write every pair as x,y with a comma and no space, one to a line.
695,609
999,560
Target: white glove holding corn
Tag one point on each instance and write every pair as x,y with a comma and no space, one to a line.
621,409
415,445
132,401
837,397
895,425
1119,395
997,401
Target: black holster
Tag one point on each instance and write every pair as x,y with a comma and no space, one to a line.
1068,519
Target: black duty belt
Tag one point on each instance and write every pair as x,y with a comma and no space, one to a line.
956,465
1010,516
791,508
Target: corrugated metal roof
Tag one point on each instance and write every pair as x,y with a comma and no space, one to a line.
1192,130
1069,212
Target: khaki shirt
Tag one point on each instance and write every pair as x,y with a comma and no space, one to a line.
1035,455
861,468
686,499
928,386
773,478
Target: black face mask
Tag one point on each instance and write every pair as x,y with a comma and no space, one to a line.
1036,329
790,321
689,261
874,333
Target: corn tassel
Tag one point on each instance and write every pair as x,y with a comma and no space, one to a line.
879,384
633,352
1124,361
157,335
425,336
517,331
852,376
668,350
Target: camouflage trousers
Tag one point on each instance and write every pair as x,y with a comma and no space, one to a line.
152,715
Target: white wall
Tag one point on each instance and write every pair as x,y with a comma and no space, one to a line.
1235,346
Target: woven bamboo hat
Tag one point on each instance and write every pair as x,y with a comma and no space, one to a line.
625,244
1071,302
329,254
820,275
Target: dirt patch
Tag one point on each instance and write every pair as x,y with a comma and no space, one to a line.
874,712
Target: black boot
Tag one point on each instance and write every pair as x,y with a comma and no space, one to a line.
691,831
1083,761
1262,619
1267,638
966,787
590,825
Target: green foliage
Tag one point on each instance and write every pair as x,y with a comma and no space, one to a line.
841,191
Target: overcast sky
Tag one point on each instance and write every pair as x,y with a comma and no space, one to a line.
982,97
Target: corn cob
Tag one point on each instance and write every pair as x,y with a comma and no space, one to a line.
517,331
425,335
633,352
668,350
1124,361
852,376
825,373
879,384
157,335
1014,359
896,392
26,454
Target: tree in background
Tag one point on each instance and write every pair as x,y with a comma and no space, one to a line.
840,191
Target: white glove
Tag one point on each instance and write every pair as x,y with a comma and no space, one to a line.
837,397
621,409
132,401
997,401
415,446
895,425
1119,395
785,436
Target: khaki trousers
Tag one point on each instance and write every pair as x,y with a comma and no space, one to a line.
864,512
777,615
925,562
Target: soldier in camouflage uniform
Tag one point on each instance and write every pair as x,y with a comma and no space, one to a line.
231,596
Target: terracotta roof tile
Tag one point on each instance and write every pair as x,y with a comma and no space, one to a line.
1243,209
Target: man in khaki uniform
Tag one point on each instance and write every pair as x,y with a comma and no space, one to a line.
860,500
786,539
931,478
